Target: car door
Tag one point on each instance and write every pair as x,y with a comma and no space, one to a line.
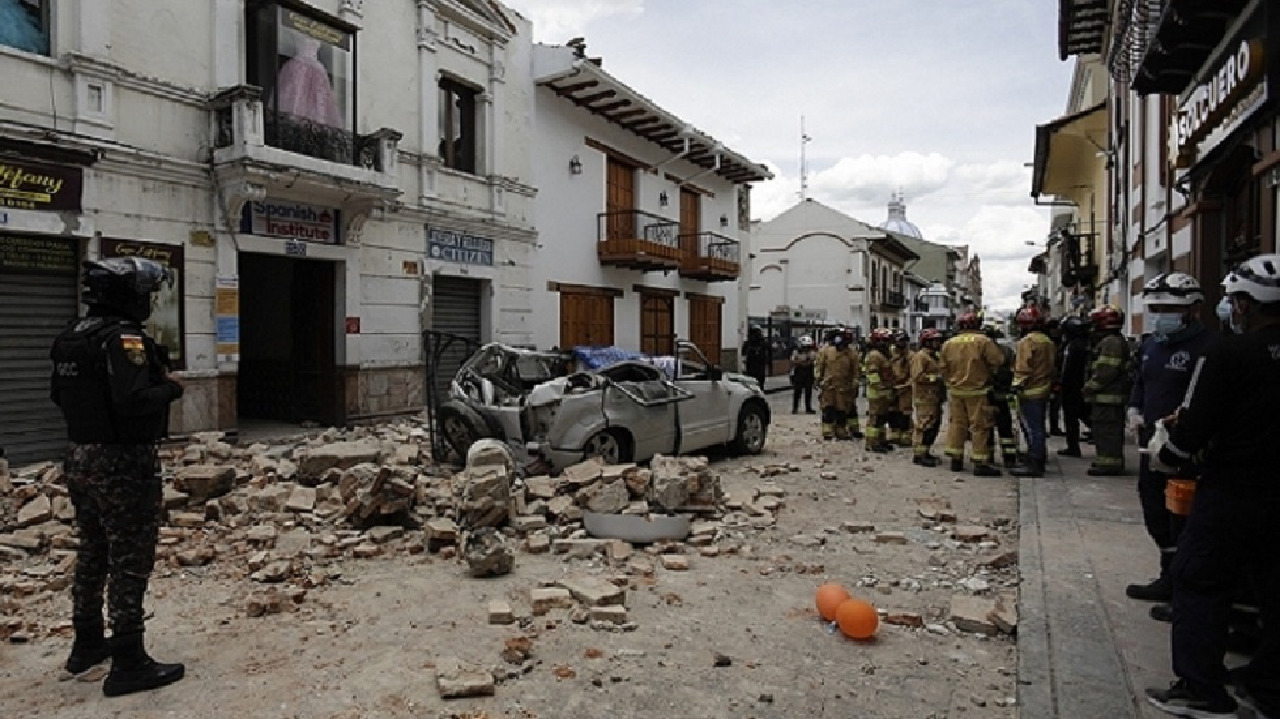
644,403
704,419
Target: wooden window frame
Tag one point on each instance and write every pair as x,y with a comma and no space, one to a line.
464,157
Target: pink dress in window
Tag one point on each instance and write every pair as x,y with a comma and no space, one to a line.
304,89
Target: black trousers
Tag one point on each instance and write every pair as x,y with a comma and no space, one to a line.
1055,412
801,385
1074,412
1228,530
1162,525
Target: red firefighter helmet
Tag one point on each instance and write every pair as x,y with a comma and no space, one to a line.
1031,318
1107,317
881,336
930,335
968,321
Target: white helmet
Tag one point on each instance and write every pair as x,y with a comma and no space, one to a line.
1259,278
806,341
1172,288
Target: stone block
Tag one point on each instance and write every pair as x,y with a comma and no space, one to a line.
544,599
970,533
456,678
314,462
973,614
593,591
891,538
204,481
500,612
674,562
36,511
608,497
301,499
612,613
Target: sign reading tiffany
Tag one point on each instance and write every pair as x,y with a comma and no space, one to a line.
457,247
291,220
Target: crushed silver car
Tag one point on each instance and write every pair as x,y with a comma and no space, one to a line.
627,411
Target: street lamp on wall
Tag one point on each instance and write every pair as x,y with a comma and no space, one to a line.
724,220
575,165
662,199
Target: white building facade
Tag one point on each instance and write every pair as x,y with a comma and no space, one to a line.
816,259
328,178
641,218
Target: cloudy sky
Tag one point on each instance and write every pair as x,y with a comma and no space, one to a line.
939,98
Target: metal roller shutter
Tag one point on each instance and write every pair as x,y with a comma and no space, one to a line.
33,310
455,309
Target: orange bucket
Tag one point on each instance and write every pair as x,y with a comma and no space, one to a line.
1178,494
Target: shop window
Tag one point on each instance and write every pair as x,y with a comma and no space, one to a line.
305,66
458,126
24,25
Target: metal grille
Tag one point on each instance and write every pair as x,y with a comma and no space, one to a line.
455,311
33,310
1136,26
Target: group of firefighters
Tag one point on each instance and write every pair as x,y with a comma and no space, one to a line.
992,389
1199,404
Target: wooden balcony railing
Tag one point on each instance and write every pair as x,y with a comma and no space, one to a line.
638,240
710,257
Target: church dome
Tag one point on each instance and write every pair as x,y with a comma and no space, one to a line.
898,221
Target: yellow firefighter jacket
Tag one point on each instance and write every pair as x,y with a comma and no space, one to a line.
926,383
1033,366
879,375
967,362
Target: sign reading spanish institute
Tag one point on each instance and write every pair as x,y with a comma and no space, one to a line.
292,221
36,186
457,247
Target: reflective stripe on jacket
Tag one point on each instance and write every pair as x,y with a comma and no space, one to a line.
1108,376
879,375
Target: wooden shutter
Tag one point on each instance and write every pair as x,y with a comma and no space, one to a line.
586,319
690,221
620,198
704,325
657,324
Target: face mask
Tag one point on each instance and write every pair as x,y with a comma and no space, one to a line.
1227,313
1167,323
837,340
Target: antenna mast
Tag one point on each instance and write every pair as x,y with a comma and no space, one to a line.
804,166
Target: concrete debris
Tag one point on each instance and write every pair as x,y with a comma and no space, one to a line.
314,462
544,599
37,511
204,481
593,591
456,678
500,612
891,538
684,483
487,553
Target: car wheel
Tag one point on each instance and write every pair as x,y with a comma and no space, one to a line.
611,446
461,427
753,429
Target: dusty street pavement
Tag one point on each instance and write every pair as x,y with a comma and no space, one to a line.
355,623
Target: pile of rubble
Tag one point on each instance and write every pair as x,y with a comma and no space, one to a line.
279,514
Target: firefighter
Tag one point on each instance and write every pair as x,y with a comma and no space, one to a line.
900,363
1165,361
966,363
1229,419
881,399
1032,381
926,396
1107,390
851,422
836,374
1073,365
1001,401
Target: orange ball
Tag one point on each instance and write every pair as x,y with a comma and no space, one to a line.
857,619
828,599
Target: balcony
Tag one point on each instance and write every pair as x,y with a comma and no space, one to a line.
894,300
258,153
638,240
710,257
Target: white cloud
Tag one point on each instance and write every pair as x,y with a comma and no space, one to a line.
999,235
868,179
557,21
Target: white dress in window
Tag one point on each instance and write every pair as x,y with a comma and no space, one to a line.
304,89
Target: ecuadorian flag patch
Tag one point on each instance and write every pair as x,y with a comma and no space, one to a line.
134,348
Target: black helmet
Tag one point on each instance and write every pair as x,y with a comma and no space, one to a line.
1075,326
124,285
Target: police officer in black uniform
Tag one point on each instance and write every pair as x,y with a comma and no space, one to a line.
1073,365
1230,416
111,382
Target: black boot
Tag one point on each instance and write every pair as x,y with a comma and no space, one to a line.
1159,590
957,465
881,448
925,460
986,470
1032,468
133,670
1011,460
1069,452
89,648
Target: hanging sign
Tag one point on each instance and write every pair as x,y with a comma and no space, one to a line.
226,312
292,221
1219,104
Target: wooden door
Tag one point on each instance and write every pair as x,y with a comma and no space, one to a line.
657,324
690,221
620,198
586,320
704,325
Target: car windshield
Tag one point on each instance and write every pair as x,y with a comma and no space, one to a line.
692,364
515,368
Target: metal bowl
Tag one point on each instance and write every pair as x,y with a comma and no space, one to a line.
636,528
